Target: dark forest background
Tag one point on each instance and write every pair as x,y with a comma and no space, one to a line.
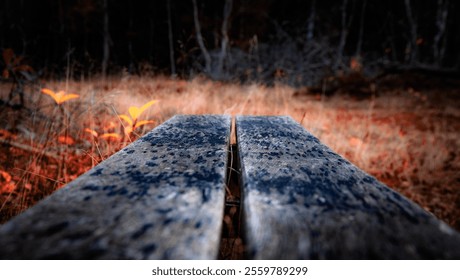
298,41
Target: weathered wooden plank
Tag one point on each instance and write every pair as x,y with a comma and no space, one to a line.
162,197
303,201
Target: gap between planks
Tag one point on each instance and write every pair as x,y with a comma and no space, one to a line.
232,243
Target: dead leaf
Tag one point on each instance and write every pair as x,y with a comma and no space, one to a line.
6,176
8,188
7,134
66,140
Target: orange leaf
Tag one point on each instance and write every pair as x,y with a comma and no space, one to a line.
48,91
8,187
135,111
109,125
110,136
92,132
128,130
147,105
141,123
7,134
59,97
127,119
66,97
66,140
6,176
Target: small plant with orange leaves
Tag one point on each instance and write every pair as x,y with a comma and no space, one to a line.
101,149
62,122
109,134
132,119
60,96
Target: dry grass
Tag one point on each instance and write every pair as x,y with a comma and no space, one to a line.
408,139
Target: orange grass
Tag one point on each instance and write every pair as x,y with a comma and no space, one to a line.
407,139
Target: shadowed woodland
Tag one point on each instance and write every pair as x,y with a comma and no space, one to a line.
377,81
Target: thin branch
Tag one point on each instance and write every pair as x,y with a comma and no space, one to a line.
31,149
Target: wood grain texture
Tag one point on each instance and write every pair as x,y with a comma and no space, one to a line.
162,197
303,201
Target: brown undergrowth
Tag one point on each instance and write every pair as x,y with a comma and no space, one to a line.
407,138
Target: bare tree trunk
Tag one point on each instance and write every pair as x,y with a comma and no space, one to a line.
199,39
171,40
343,36
311,21
106,40
361,29
439,48
223,50
413,48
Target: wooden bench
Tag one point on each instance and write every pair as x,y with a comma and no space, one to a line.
163,197
303,201
159,198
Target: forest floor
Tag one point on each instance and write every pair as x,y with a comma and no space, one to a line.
406,135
